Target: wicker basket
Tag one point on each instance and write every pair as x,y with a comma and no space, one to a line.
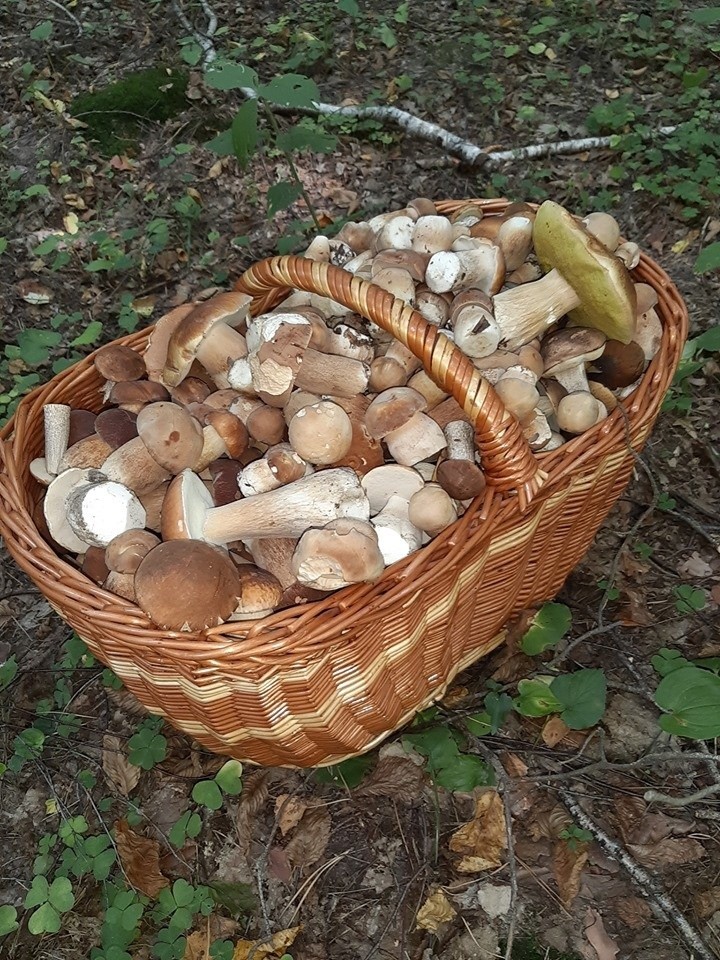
328,680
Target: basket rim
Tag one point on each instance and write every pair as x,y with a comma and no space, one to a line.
312,628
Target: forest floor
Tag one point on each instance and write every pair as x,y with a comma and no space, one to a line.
344,862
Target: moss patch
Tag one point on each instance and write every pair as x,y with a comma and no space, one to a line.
115,113
528,948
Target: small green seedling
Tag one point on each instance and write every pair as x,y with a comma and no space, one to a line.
148,746
51,900
209,793
689,599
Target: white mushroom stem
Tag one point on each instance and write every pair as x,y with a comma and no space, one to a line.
288,511
460,437
325,374
476,332
132,465
397,536
219,349
100,511
212,448
418,439
573,379
527,310
56,417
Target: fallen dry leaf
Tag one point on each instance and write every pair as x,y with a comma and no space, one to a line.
279,865
289,811
554,731
454,696
633,911
253,798
514,766
547,824
275,946
694,567
681,245
567,868
122,774
715,593
667,853
310,839
707,902
394,777
140,858
598,937
482,841
34,292
436,910
345,199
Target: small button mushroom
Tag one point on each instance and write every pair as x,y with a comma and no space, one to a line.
117,362
397,282
396,234
222,434
603,227
422,383
391,409
125,551
188,511
358,236
420,438
56,418
393,369
82,424
187,585
421,207
620,364
566,352
94,566
514,237
433,307
459,475
191,390
584,280
518,396
647,298
279,465
259,593
397,536
339,554
99,511
432,509
321,433
579,412
207,334
629,254
116,427
410,261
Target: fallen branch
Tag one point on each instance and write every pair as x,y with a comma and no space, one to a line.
467,152
664,904
655,796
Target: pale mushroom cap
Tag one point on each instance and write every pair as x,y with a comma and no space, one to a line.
173,437
600,279
432,509
321,433
186,585
577,412
519,397
603,227
390,480
339,554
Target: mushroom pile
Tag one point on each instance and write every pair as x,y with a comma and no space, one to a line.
243,465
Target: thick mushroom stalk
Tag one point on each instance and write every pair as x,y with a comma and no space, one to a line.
56,417
102,510
188,511
525,311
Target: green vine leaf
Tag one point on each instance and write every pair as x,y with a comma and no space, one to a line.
304,136
281,195
207,794
582,695
291,90
223,75
691,697
8,920
536,699
547,628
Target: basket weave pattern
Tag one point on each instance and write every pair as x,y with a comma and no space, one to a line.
328,680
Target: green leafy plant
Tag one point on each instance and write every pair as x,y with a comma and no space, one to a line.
209,793
578,697
148,746
447,764
547,627
8,920
347,774
575,836
689,599
51,900
689,693
694,357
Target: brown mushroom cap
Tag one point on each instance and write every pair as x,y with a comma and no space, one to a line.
231,430
266,424
156,350
563,349
116,426
391,409
620,364
259,593
225,481
135,394
117,362
187,585
185,340
341,553
124,553
94,566
432,509
321,433
82,424
461,479
172,436
600,279
191,390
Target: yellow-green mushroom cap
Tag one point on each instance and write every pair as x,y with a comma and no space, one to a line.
600,279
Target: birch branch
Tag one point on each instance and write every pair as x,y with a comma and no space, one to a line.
453,145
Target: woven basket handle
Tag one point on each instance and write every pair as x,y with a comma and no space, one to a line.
507,460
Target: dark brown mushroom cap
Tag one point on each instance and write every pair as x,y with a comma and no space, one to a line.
173,438
82,424
391,409
187,585
191,390
230,308
126,551
225,480
117,362
231,430
116,426
284,463
566,348
620,364
601,280
94,566
461,479
137,392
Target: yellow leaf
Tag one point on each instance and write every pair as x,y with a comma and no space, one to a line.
682,245
192,192
436,910
71,222
275,946
483,839
144,305
51,806
550,54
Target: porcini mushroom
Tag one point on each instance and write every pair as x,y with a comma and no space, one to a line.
432,509
117,362
259,593
341,553
124,553
321,433
172,437
55,507
397,536
99,511
459,475
566,352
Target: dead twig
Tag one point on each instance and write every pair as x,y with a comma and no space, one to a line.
663,902
655,796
